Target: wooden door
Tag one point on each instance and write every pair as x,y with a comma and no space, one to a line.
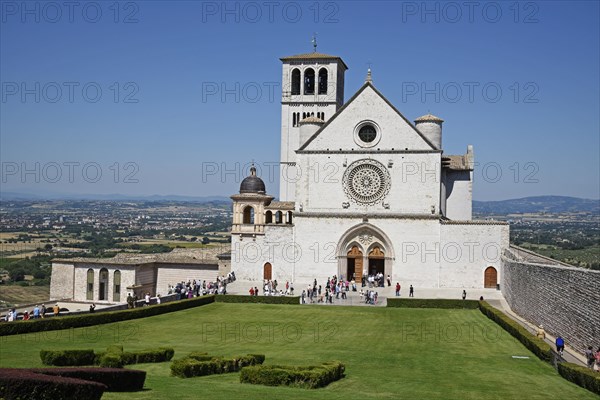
357,255
268,270
490,279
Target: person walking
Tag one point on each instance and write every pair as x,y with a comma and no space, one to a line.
464,294
560,345
590,357
397,288
56,310
411,291
36,312
541,333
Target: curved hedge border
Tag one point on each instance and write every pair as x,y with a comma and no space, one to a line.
115,379
432,303
16,384
197,364
310,377
536,345
78,321
582,376
258,299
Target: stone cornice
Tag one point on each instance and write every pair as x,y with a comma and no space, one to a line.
365,215
368,151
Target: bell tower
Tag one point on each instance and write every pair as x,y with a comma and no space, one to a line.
312,86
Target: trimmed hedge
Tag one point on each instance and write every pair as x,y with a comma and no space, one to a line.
78,321
310,377
258,299
536,345
18,384
582,376
114,357
64,358
196,365
115,379
432,303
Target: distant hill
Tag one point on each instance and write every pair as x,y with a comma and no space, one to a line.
537,204
7,196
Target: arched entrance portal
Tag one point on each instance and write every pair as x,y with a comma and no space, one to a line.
355,264
490,278
376,261
362,250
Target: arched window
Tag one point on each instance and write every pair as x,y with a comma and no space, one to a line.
269,217
303,115
296,81
322,81
278,217
103,292
309,81
248,215
117,286
289,217
89,295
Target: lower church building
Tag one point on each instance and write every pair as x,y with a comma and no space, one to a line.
363,191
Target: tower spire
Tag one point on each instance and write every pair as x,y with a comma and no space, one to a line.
369,76
314,42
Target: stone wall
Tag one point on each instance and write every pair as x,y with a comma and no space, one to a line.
565,300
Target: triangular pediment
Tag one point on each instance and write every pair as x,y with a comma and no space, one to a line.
394,131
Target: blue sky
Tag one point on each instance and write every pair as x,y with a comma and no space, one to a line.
127,89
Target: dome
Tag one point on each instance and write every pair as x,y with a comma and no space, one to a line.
429,118
311,120
252,183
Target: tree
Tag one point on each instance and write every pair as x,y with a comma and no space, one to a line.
17,275
48,247
205,240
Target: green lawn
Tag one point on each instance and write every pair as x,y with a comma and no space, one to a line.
389,353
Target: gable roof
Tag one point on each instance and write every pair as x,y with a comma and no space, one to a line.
363,87
313,56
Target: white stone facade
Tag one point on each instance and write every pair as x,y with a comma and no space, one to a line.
372,194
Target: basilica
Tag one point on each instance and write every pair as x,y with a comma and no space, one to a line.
363,191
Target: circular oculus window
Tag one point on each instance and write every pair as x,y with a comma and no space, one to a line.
366,134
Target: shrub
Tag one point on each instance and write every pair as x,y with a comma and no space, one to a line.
582,376
116,379
540,348
432,303
153,356
83,320
63,358
111,360
16,384
258,299
310,377
197,364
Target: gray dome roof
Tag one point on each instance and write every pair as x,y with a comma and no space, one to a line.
252,183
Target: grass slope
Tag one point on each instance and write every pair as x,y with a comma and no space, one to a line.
389,353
